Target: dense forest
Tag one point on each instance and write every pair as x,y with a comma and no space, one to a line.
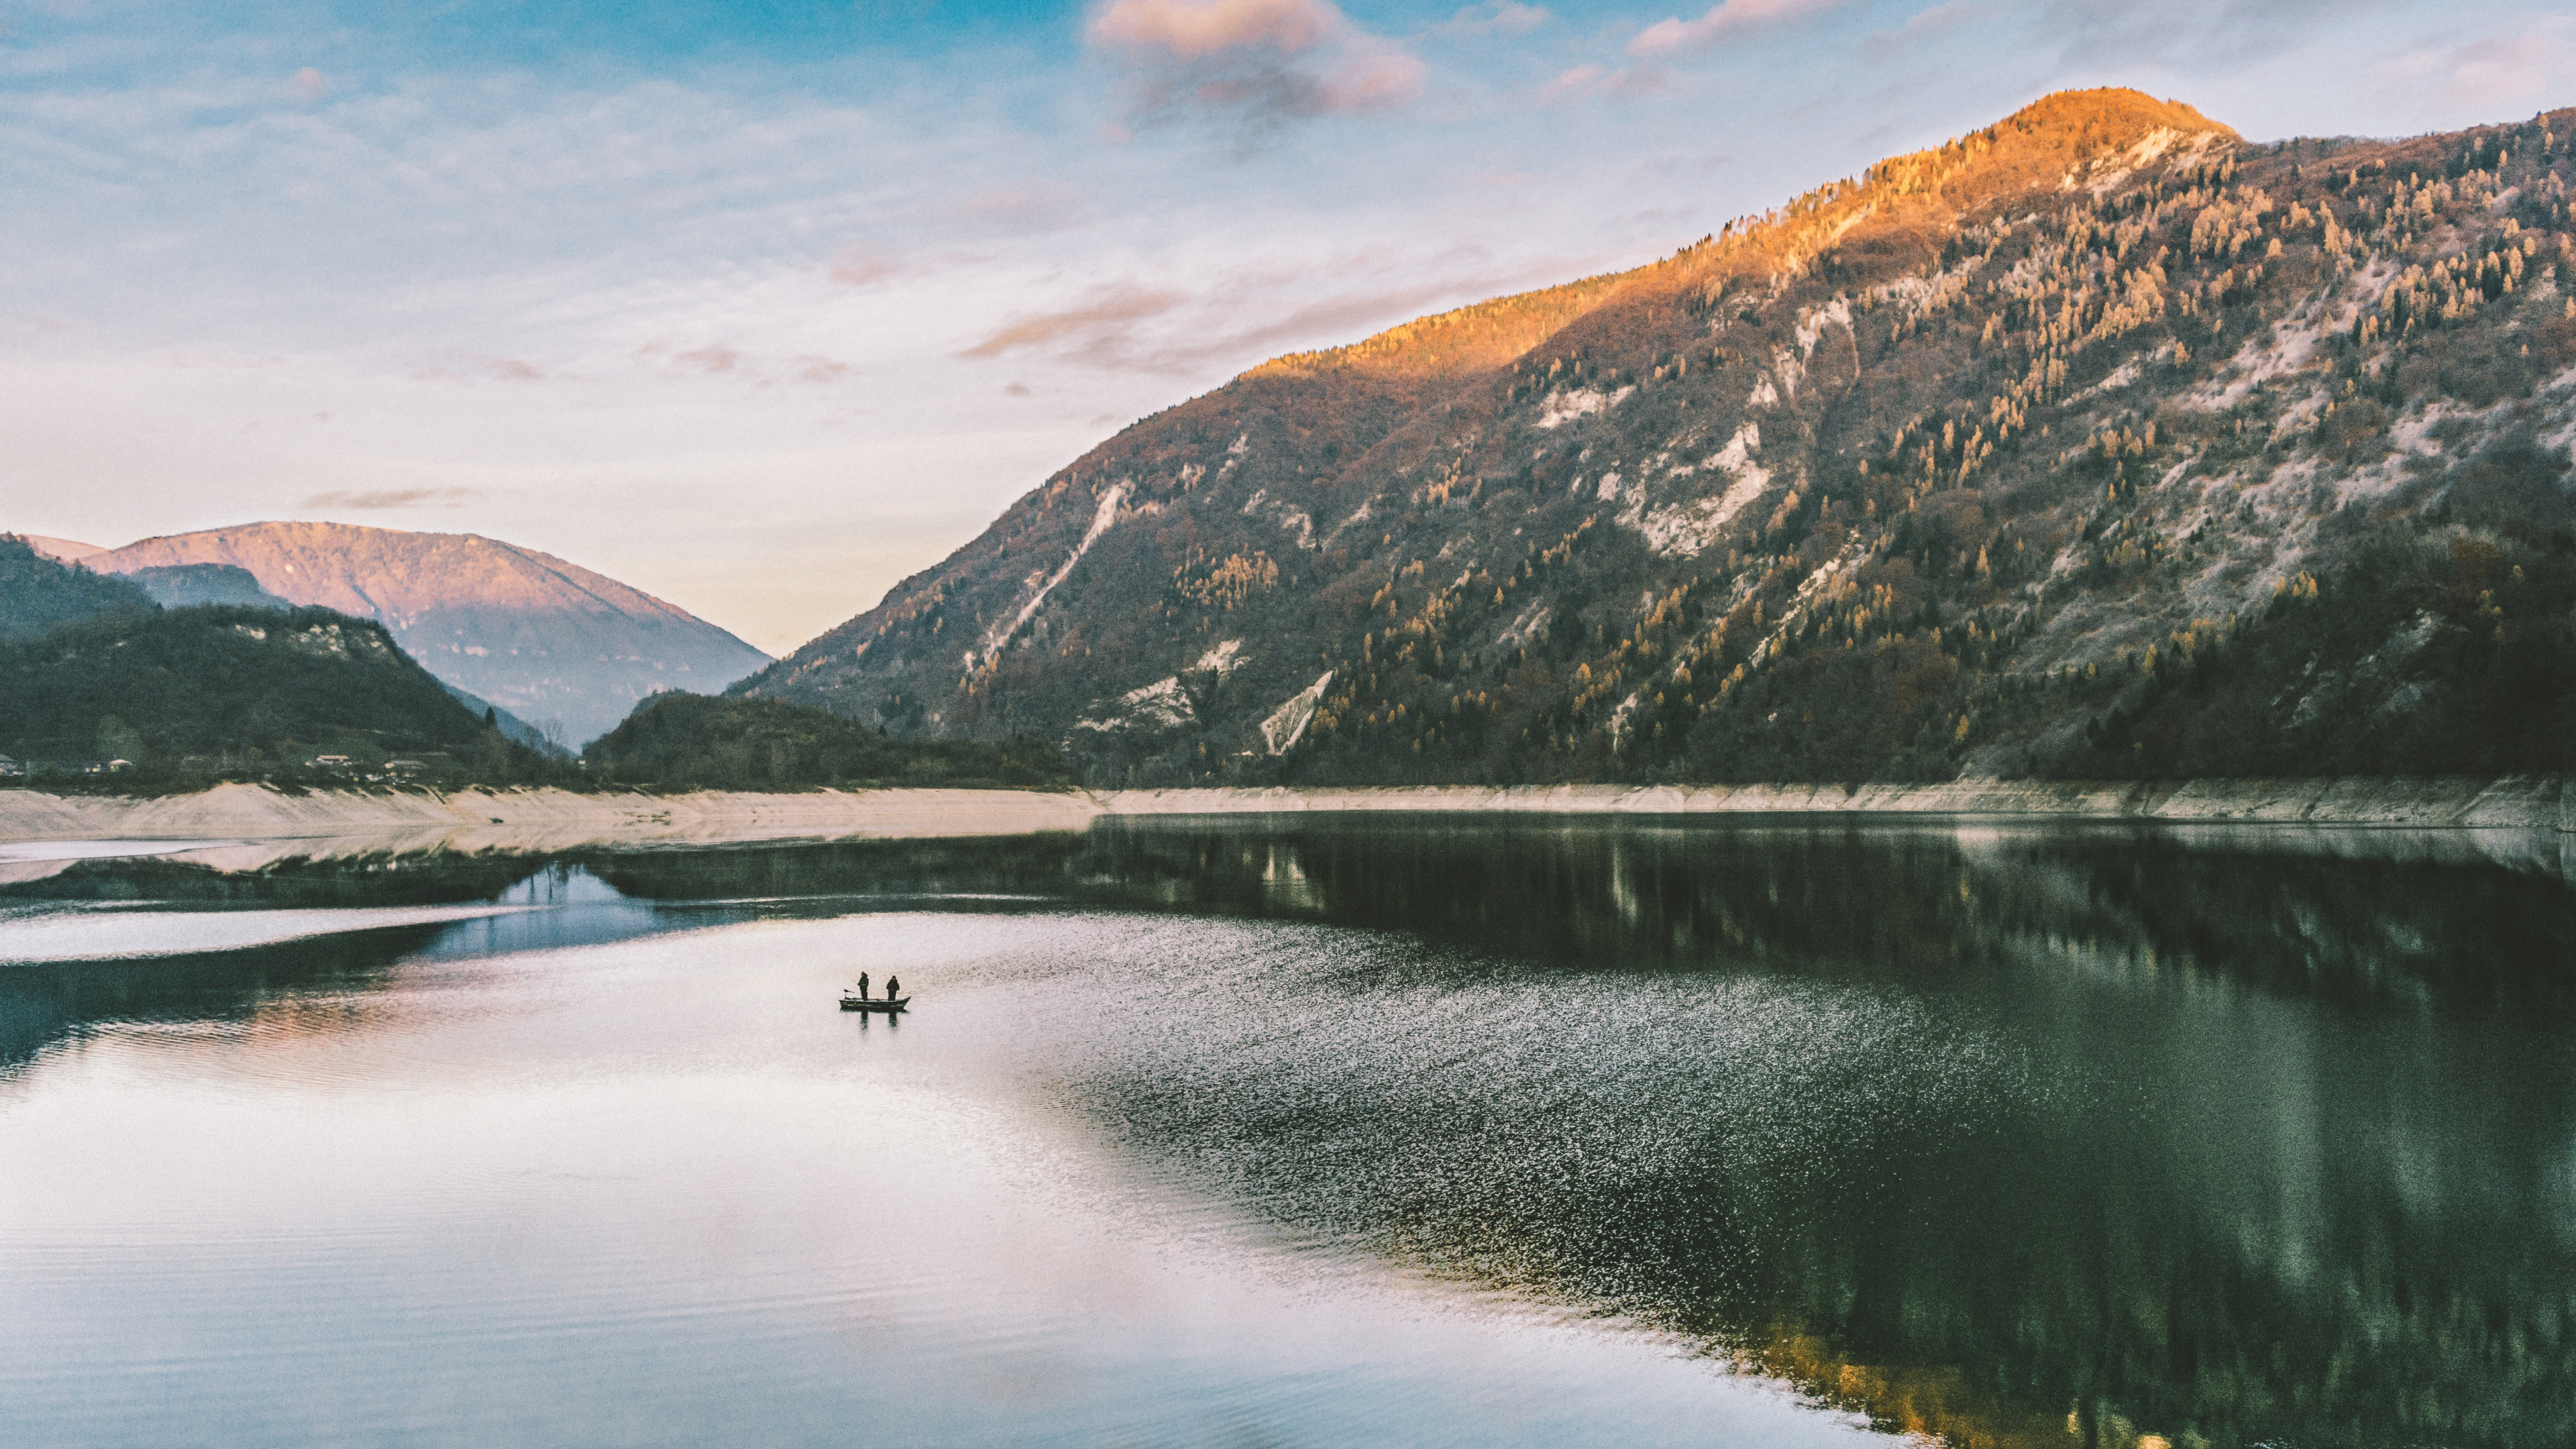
689,741
164,699
37,593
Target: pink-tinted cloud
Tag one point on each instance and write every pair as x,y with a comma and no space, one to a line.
1671,36
473,365
1256,63
1192,29
308,83
1099,330
811,368
854,270
710,358
2504,73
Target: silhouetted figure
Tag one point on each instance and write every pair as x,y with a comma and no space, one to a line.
892,987
863,985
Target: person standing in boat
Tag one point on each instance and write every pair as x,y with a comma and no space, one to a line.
892,984
863,986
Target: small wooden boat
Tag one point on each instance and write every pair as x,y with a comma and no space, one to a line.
874,1003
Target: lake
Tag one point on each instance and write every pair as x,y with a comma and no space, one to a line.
1305,1131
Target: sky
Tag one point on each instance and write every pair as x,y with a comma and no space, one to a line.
764,306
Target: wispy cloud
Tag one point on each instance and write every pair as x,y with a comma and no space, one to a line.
1675,35
1599,80
1237,320
385,499
479,365
1099,331
1494,17
1253,64
855,270
2506,73
1027,206
2228,34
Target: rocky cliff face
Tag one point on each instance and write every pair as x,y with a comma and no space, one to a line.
535,635
2099,442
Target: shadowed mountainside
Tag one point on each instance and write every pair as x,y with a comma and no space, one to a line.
2099,442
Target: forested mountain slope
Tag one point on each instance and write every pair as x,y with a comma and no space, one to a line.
38,593
2099,442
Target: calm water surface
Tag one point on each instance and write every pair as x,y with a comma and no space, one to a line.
1384,1131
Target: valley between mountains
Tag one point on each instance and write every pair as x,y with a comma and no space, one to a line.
2099,444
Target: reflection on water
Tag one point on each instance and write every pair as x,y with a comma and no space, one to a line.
2063,1135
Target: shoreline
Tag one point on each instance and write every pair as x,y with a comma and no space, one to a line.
258,820
246,827
562,819
2481,802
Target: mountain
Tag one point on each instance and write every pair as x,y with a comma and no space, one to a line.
61,550
2098,442
179,586
542,638
37,592
91,669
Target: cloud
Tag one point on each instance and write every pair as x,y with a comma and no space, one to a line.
1256,64
1099,332
378,500
1672,36
1494,17
2503,74
1594,80
1236,320
308,83
1194,29
1032,206
711,358
2220,34
478,364
1015,389
852,270
813,368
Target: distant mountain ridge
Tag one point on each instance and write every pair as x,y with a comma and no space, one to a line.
95,676
2096,442
533,634
61,550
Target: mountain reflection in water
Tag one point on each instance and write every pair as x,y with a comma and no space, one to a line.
2062,1135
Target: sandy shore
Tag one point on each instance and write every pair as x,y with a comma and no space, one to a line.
243,826
2519,802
